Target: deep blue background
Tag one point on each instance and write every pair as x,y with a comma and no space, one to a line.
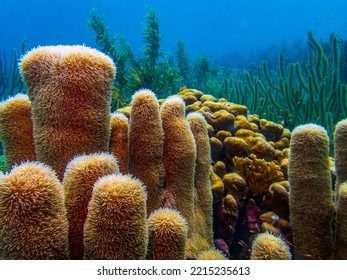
211,27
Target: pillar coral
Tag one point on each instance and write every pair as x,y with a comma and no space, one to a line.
79,178
146,140
179,160
33,222
69,90
310,202
119,140
116,225
16,130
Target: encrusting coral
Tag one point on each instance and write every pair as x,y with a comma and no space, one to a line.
16,130
33,223
116,225
80,175
69,90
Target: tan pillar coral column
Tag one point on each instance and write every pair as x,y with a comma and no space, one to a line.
146,146
116,226
16,130
119,140
202,190
33,224
79,178
341,225
179,160
167,235
340,137
311,205
69,88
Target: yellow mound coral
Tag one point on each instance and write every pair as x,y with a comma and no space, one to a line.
217,185
235,184
258,173
220,120
216,149
237,109
235,147
271,130
219,168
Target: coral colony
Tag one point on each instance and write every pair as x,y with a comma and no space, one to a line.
89,174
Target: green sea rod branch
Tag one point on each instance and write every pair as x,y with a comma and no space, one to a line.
10,80
120,52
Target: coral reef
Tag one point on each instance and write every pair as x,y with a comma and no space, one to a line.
258,173
208,177
236,180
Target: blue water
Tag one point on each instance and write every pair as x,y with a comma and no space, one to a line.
210,27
